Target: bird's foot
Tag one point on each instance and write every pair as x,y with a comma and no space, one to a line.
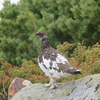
53,87
47,85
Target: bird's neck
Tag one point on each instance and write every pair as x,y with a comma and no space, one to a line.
45,44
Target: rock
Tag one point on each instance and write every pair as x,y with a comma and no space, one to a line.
16,85
86,88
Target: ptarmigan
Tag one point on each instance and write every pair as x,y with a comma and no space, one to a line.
53,63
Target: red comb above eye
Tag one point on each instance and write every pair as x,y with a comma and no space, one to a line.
40,32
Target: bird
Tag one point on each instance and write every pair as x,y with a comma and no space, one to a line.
53,63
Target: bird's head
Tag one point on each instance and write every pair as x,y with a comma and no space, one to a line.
42,35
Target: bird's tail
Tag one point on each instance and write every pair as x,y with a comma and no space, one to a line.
73,71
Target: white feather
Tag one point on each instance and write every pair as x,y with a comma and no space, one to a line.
61,59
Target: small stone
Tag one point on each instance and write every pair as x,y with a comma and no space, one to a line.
16,85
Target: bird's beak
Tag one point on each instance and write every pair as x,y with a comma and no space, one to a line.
36,34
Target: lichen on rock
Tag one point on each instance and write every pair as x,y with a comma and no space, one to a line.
86,88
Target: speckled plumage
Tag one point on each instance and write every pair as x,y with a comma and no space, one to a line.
53,63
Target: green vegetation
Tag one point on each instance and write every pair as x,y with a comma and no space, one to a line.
74,21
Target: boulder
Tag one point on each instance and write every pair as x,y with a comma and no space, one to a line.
16,85
86,88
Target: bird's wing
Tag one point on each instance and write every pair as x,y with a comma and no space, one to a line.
56,61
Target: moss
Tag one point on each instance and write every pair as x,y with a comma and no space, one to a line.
61,94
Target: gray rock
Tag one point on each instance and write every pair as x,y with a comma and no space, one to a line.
86,88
